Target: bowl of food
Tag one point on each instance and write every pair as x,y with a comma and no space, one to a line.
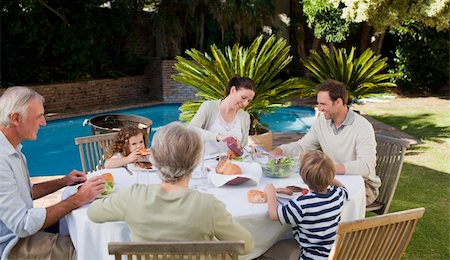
277,167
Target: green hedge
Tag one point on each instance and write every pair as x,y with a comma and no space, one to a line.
68,40
420,57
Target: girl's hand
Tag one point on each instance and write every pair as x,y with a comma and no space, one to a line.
134,156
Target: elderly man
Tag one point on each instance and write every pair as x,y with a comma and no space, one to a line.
21,225
346,137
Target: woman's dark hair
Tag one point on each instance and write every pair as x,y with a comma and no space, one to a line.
240,82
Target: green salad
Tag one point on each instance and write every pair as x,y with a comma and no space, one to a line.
109,188
279,167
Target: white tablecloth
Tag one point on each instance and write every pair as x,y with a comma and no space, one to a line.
91,239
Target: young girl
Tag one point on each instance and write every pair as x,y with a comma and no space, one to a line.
129,146
314,217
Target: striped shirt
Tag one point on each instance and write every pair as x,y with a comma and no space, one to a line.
314,219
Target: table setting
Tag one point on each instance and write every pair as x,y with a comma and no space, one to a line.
91,239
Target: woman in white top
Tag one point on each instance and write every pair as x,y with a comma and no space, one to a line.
216,120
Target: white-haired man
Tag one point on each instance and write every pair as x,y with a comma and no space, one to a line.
22,234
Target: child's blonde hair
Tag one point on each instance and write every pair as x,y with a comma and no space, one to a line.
317,170
121,144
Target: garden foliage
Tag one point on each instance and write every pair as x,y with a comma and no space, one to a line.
362,75
262,62
420,58
44,41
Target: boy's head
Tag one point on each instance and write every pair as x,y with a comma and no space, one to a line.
317,170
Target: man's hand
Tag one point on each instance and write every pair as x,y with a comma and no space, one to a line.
74,177
90,190
276,152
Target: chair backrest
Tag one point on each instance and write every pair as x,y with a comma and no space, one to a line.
177,250
380,237
93,149
390,155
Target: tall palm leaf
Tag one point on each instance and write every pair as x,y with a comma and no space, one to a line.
362,75
261,62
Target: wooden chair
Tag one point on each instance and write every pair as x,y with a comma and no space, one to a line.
390,155
381,237
177,250
93,149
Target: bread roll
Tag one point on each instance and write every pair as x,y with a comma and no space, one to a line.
108,177
256,196
227,168
144,151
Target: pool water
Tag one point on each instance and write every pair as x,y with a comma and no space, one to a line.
55,153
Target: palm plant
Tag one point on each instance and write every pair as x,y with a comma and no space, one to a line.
261,62
361,75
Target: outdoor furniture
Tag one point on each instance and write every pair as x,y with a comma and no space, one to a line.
194,250
93,149
379,237
390,155
91,239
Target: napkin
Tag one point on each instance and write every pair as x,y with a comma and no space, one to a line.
250,170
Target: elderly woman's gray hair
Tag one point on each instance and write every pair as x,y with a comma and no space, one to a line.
16,100
176,151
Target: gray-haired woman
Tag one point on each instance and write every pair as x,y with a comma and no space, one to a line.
166,211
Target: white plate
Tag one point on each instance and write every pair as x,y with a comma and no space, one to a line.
133,167
289,197
251,171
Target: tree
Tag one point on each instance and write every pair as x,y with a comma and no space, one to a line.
382,14
326,20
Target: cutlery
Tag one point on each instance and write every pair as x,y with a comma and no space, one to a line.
128,170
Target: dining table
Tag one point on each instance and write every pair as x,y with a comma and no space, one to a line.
91,239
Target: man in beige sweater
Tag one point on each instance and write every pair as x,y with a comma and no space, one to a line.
345,136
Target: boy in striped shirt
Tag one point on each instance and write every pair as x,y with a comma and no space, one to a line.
314,217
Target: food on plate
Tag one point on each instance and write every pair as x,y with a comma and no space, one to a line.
226,167
234,146
294,188
232,156
144,151
109,183
304,191
256,196
286,191
145,165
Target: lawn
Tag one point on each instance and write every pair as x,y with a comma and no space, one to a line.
425,177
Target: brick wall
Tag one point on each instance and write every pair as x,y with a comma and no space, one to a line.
155,85
173,91
76,95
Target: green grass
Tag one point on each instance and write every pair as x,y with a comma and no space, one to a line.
425,177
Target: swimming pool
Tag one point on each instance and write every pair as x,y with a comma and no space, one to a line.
55,153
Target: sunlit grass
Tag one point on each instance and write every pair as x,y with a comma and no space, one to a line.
425,178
